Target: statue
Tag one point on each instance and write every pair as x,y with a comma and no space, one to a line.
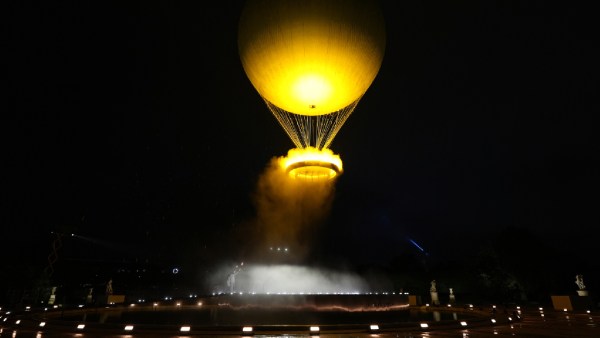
89,298
109,289
434,295
433,288
52,296
231,277
579,282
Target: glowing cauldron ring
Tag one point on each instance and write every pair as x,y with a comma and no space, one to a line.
319,170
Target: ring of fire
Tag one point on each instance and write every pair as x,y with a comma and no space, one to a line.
311,164
313,170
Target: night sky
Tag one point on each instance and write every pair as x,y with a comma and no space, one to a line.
133,125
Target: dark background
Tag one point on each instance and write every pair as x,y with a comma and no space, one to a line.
133,126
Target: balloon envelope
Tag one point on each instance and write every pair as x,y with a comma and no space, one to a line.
311,57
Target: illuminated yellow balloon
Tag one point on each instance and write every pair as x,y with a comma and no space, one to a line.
311,57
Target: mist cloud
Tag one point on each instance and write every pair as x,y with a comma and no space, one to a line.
289,212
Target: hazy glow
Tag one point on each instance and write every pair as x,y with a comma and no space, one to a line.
292,279
311,163
312,88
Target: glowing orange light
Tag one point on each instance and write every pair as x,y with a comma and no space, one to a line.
311,164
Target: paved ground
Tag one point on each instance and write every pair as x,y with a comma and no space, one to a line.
532,323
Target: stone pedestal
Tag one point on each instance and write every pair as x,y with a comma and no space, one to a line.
52,298
435,300
414,300
571,303
115,299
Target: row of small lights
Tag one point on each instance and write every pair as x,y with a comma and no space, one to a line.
141,300
28,308
246,329
313,329
287,293
307,293
250,329
126,328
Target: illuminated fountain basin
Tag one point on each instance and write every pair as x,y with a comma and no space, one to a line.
264,310
232,315
258,309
